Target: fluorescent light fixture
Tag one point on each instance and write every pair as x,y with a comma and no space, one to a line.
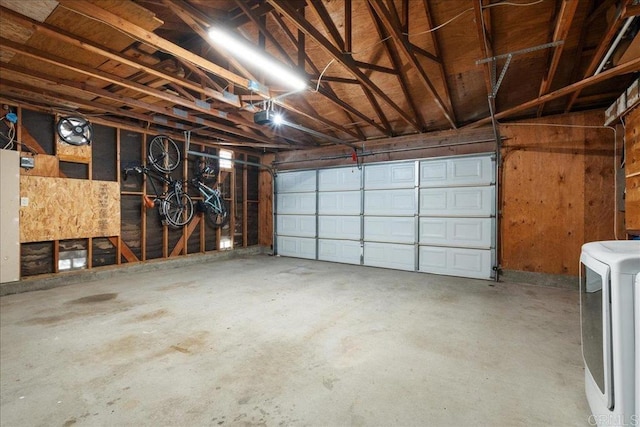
248,53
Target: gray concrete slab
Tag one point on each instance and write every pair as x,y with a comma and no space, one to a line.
273,341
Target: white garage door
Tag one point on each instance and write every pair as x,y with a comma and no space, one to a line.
433,215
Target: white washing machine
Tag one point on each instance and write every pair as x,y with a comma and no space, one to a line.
636,420
609,333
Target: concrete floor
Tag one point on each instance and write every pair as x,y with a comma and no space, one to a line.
279,341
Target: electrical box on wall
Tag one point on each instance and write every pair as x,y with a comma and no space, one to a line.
27,162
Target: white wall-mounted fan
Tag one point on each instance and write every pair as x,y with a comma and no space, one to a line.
75,130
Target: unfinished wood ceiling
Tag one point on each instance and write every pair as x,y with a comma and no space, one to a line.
374,68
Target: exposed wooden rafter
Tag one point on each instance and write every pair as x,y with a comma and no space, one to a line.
388,20
627,67
394,56
130,84
11,89
138,33
483,26
563,24
194,20
91,47
601,49
438,55
345,60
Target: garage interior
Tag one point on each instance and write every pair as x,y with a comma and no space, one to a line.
407,183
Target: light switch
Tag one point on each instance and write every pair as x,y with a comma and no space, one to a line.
24,201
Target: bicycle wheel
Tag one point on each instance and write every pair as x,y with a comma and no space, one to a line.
164,153
218,216
177,209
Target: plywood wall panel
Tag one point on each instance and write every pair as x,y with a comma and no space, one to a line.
557,192
45,165
632,212
73,153
632,171
61,208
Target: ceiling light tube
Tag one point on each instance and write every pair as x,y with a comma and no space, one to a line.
244,51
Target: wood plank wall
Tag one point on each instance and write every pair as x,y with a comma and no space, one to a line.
557,184
131,233
632,171
557,191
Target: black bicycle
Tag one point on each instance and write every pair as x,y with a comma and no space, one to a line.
174,204
164,154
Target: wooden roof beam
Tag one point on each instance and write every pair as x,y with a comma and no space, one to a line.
257,21
138,33
301,60
561,31
89,46
345,60
192,17
483,16
131,102
402,42
7,86
329,94
328,23
627,67
140,88
438,54
326,90
394,56
601,50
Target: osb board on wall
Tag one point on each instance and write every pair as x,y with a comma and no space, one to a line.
60,208
45,165
557,192
73,153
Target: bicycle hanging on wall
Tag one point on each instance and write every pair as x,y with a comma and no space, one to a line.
213,204
174,204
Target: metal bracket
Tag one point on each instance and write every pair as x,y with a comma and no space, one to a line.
493,59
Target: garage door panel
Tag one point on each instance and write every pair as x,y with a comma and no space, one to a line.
339,227
339,203
389,202
466,171
432,215
339,179
296,182
297,225
464,201
466,232
298,247
456,261
296,203
388,255
391,175
344,251
390,229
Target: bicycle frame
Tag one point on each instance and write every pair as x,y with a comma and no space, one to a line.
174,202
172,184
211,196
